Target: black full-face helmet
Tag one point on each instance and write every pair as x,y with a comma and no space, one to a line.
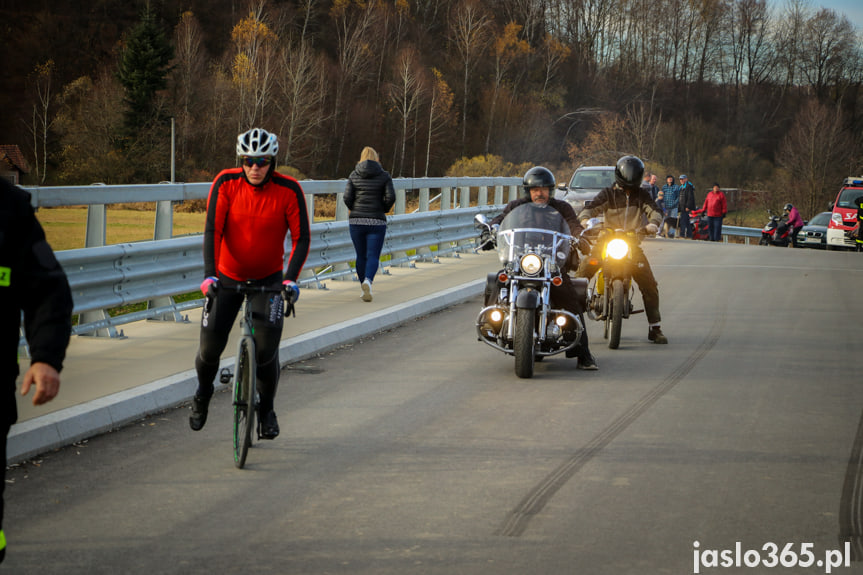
538,177
629,172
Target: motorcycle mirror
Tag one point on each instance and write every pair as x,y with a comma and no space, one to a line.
481,219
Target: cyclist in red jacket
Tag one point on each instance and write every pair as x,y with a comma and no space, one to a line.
249,213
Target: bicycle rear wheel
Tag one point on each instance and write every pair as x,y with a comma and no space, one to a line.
244,400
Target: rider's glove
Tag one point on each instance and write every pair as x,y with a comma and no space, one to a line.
210,285
584,246
291,291
651,228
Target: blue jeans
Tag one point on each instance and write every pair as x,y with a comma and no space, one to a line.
368,243
685,225
714,228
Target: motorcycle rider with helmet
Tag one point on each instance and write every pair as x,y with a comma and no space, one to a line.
623,205
538,186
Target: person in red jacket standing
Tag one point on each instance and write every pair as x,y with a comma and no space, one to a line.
715,207
249,213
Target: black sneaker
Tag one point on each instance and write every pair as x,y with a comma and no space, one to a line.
268,426
587,362
200,407
656,336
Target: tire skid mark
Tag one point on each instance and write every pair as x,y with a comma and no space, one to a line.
534,502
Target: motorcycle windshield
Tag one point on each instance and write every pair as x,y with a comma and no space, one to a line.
532,228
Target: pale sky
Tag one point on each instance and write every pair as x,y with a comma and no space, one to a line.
853,9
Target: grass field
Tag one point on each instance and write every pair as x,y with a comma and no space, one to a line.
65,228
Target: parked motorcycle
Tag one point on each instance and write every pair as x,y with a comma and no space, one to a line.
776,231
611,289
518,316
699,221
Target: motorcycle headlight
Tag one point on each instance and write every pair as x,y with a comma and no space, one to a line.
617,248
531,264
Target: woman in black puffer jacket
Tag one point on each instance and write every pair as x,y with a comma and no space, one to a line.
369,195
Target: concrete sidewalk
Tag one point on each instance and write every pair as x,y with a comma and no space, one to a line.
107,383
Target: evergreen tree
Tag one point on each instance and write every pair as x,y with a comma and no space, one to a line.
144,66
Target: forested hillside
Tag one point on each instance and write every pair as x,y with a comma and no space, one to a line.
727,90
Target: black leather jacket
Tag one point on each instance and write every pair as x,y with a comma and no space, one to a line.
369,192
31,280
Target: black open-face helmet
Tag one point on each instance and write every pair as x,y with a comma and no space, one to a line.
787,207
629,172
538,177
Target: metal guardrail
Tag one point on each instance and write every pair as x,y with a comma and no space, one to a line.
107,277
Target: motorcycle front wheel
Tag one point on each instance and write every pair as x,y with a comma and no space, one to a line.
617,302
523,346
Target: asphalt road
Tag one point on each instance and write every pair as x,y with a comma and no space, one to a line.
419,451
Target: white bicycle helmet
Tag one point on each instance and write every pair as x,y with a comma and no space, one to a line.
257,142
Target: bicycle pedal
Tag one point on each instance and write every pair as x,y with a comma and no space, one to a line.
225,376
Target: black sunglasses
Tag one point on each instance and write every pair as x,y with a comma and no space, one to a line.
261,162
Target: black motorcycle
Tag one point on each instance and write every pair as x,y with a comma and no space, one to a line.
518,316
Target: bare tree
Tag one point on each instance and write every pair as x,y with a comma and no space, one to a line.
302,83
817,147
252,70
89,123
440,111
189,64
41,120
355,23
405,93
828,46
469,33
508,48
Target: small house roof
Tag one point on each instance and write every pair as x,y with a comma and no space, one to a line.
11,154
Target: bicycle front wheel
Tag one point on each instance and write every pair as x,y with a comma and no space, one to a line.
244,400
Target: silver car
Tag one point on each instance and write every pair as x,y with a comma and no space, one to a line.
586,182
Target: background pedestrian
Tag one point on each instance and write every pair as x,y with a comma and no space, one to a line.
715,207
369,195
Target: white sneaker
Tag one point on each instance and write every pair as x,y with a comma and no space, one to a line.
367,290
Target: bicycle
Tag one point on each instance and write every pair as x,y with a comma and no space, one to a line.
244,395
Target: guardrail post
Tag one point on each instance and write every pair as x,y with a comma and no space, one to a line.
310,207
342,214
101,317
399,208
97,223
464,197
424,200
513,193
498,195
164,226
341,208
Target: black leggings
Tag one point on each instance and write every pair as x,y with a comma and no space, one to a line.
267,321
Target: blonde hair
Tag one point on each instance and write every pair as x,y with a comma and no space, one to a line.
369,153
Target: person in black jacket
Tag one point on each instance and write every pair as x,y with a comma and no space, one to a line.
539,185
369,195
687,204
624,206
32,281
